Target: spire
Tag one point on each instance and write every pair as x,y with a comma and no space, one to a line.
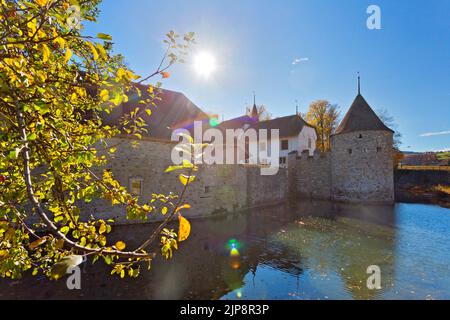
255,109
296,107
359,84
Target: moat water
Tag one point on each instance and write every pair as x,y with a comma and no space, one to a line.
315,250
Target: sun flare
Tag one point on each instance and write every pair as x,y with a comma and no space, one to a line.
205,64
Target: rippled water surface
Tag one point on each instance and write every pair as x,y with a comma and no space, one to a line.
315,250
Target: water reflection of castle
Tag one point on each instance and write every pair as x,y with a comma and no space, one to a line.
270,238
295,241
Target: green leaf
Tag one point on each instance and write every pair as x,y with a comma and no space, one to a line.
32,137
104,36
65,230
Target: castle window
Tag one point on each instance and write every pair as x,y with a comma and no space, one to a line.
283,160
136,186
350,151
284,144
207,189
360,136
379,149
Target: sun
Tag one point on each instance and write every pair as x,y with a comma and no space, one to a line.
204,64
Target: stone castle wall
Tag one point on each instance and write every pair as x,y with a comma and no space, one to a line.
359,169
216,189
310,177
362,167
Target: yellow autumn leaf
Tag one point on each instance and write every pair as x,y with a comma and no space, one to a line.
164,210
61,42
185,180
45,53
184,228
41,2
120,245
93,50
185,206
104,95
102,51
67,55
102,229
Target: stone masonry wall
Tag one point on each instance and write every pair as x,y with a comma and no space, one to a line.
310,177
217,189
363,175
362,167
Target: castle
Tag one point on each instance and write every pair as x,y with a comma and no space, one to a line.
359,167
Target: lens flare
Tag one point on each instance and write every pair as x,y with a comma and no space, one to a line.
233,245
214,122
235,264
234,252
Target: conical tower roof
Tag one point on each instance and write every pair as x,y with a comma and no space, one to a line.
361,117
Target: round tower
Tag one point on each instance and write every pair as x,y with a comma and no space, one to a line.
362,157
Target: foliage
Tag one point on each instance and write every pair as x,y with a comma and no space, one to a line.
324,116
55,85
263,113
389,121
444,156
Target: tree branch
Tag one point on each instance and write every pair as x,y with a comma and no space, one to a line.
43,215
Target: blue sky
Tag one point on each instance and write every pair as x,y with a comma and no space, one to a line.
405,66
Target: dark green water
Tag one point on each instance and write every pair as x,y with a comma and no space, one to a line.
316,250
